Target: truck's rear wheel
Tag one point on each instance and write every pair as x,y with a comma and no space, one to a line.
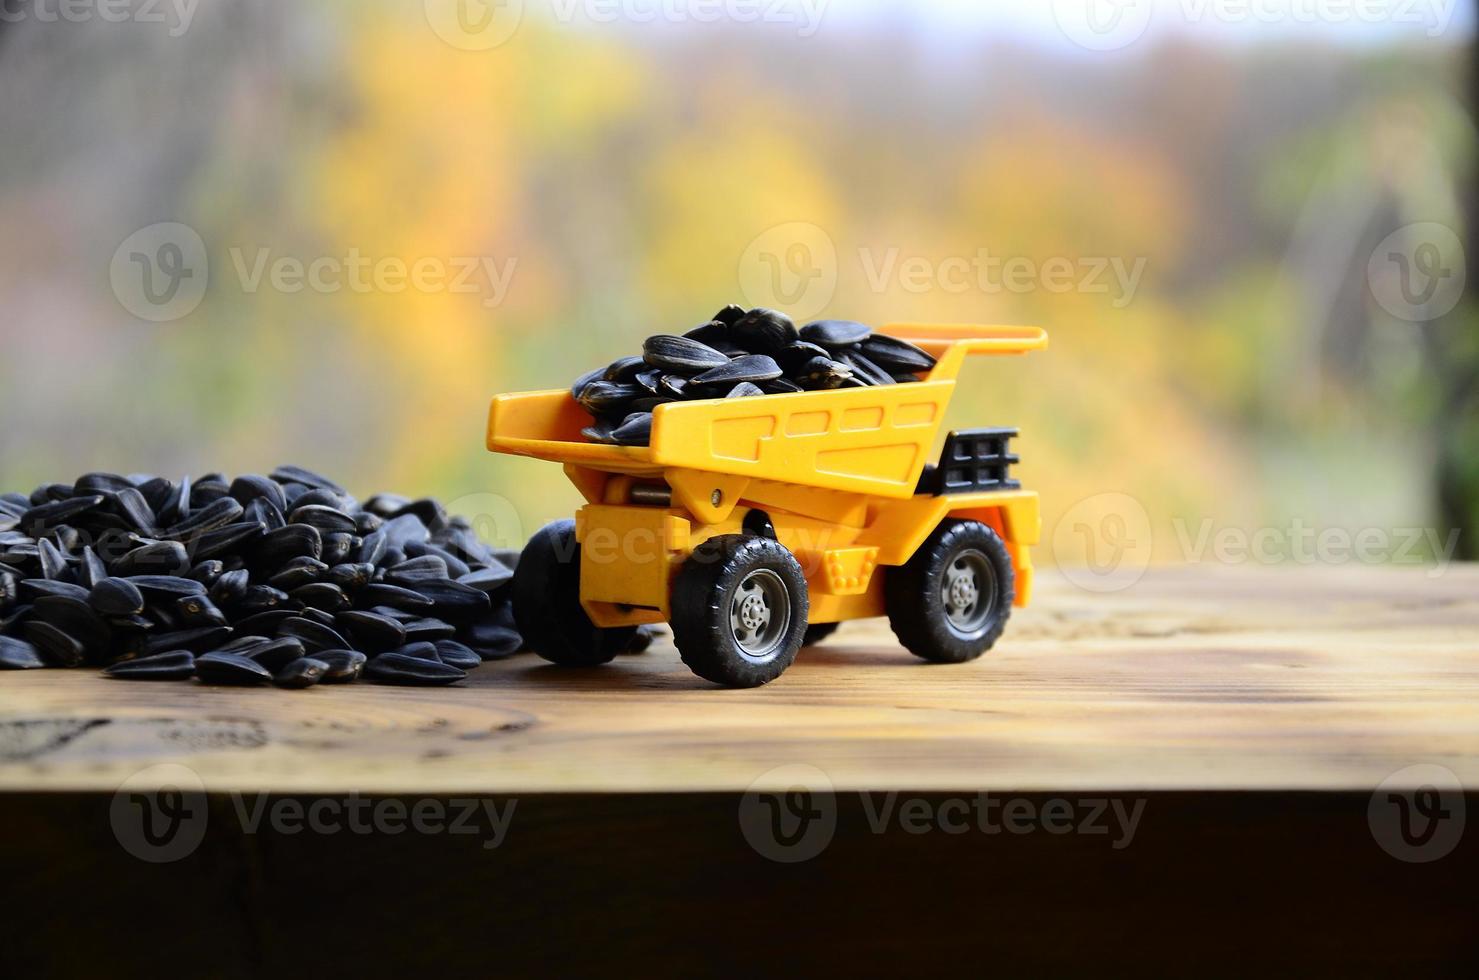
546,601
817,632
739,610
950,602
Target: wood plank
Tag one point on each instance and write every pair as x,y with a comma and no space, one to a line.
1196,678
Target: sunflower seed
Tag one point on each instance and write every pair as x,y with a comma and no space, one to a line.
116,597
681,354
19,655
56,646
278,653
230,669
176,665
397,668
893,354
301,673
298,571
342,666
635,430
457,654
374,632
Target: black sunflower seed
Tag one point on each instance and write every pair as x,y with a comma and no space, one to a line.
230,669
634,430
231,538
262,598
194,640
275,548
429,630
170,587
250,487
822,373
453,599
301,673
278,653
45,516
116,597
488,579
793,357
745,390
711,333
265,513
53,561
623,369
491,641
218,513
396,668
835,333
350,576
681,354
264,623
343,666
297,474
763,331
321,595
373,631
327,519
176,665
455,566
750,367
865,369
77,619
338,547
604,397
893,354
105,483
193,611
33,588
154,558
231,587
413,569
19,655
780,386
298,571
56,646
394,596
457,654
315,635
135,510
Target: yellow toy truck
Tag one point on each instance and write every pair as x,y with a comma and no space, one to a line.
754,525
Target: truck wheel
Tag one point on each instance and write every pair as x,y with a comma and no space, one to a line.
739,610
817,632
950,602
546,601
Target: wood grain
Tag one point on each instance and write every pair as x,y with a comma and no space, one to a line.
1195,678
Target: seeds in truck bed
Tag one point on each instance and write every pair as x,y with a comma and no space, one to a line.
736,354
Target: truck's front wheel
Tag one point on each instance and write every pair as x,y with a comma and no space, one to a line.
546,601
950,602
739,610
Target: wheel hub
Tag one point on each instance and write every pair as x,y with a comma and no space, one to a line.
760,614
967,590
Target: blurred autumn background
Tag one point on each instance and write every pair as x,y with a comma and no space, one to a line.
1201,213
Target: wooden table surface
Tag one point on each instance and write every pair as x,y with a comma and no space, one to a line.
1194,678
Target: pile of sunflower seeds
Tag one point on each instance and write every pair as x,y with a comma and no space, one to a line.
282,579
737,354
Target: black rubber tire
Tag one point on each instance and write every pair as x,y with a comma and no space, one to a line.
546,601
916,609
817,632
701,609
